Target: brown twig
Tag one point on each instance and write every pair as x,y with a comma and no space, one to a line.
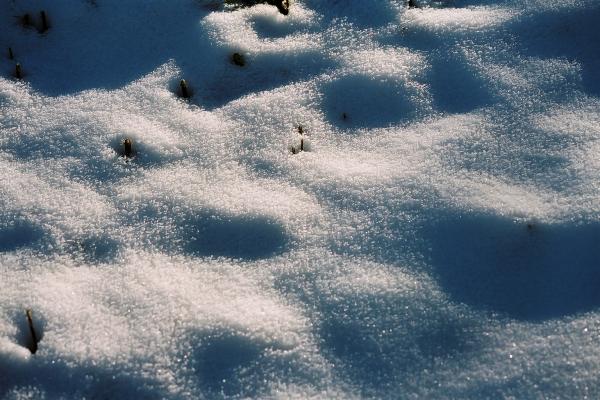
184,89
238,59
33,345
44,21
127,148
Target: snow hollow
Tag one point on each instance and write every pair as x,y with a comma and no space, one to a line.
359,199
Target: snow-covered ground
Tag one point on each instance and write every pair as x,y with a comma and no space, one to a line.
439,237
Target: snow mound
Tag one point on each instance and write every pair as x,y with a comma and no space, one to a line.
356,200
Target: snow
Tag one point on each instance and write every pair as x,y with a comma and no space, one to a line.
437,239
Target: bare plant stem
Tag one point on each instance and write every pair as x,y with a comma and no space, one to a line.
34,338
184,89
44,21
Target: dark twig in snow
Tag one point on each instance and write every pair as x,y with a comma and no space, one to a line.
127,148
184,89
25,20
238,59
294,149
18,71
282,5
44,22
33,345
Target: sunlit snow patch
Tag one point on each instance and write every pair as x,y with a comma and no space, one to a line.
456,20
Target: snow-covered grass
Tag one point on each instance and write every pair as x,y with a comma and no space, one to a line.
440,237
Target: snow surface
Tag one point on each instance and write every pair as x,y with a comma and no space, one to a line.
440,238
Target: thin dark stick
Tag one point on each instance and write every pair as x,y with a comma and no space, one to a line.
44,21
282,5
184,89
238,59
127,144
25,20
34,338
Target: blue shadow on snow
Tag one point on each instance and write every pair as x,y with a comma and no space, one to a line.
455,87
57,379
570,33
526,271
225,363
262,71
374,340
19,233
360,13
357,101
96,249
240,237
137,40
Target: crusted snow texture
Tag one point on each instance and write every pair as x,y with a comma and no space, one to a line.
438,237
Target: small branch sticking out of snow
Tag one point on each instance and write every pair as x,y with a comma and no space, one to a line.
128,148
18,71
282,5
185,93
412,4
238,59
298,149
25,21
33,345
44,22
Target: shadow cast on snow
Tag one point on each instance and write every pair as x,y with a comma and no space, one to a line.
457,88
156,34
357,102
239,237
376,340
225,363
58,379
571,34
359,13
527,271
19,233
